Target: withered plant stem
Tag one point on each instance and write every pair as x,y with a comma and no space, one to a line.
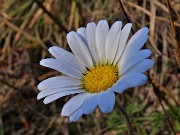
160,98
165,112
122,6
56,20
177,50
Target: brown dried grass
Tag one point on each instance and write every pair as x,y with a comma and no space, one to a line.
26,32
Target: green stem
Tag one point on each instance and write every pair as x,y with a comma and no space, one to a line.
125,116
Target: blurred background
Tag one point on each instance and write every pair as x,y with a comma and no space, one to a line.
29,27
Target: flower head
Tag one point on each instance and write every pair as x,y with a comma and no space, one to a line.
103,63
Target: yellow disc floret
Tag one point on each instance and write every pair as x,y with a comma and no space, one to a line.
100,78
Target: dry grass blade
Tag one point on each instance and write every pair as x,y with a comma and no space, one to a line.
149,13
161,5
15,28
61,26
177,50
72,14
152,26
27,30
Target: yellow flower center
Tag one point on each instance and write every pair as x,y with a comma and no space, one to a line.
100,78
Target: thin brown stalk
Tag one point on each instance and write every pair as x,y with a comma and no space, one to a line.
60,25
152,16
125,116
160,98
165,112
122,6
177,50
72,14
163,89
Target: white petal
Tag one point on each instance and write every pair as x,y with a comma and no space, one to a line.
112,41
76,115
51,91
79,49
106,101
139,56
141,67
73,104
58,81
89,103
91,39
122,42
68,57
101,34
82,33
53,97
128,81
135,43
62,67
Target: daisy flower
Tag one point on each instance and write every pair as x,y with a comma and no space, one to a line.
103,63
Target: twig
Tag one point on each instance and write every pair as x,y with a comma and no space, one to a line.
125,116
152,79
158,86
122,6
155,90
165,112
177,50
150,39
160,97
163,89
61,26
